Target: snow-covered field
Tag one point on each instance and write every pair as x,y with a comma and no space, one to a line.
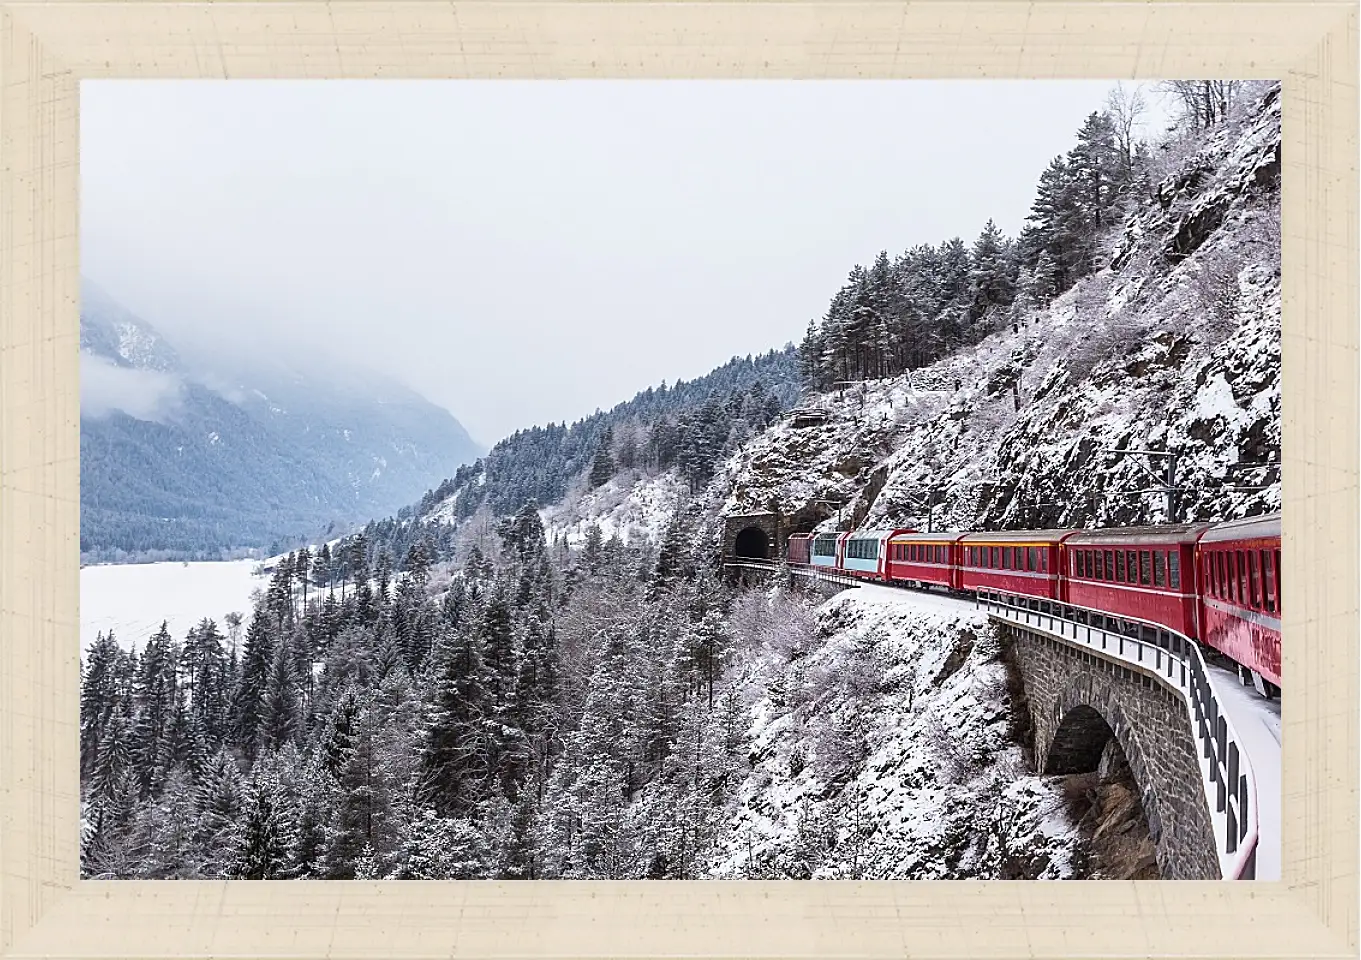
132,599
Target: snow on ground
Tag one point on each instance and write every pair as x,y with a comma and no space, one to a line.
883,748
132,599
922,600
633,505
1257,722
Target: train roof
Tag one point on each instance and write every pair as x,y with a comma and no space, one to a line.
875,534
1168,533
1017,536
802,536
917,536
1250,528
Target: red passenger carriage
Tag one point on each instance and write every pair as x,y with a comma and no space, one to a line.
1145,573
924,558
1012,561
1239,566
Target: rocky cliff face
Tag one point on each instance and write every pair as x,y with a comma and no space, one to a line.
1173,346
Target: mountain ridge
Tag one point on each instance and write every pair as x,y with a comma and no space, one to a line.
186,458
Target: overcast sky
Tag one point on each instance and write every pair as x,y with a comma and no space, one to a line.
521,252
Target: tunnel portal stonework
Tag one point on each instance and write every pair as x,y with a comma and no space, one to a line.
1079,701
740,531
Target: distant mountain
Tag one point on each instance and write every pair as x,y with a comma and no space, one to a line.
187,455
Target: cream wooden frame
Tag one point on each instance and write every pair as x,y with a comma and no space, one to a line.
47,48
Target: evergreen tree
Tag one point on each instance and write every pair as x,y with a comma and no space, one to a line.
602,468
256,661
155,698
99,696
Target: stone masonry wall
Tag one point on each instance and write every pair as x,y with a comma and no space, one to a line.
1067,687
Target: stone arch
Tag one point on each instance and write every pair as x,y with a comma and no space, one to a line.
752,544
1086,718
1079,740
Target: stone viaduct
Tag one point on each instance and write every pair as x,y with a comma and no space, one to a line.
1079,700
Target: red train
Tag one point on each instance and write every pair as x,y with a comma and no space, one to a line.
1219,583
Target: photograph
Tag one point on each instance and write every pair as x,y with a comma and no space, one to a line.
680,480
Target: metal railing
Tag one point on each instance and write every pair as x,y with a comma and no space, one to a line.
1175,661
1171,658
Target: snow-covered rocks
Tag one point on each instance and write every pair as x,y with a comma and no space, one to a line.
884,746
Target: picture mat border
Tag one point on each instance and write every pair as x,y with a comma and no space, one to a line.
47,48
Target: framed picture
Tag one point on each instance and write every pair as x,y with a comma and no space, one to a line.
431,524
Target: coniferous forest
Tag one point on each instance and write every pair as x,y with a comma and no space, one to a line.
356,728
420,700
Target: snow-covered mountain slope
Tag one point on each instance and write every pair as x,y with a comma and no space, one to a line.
884,747
1173,346
185,455
633,505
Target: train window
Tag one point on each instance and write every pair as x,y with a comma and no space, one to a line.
1255,592
1109,567
1044,560
1030,559
1091,564
996,560
1098,568
1174,570
1231,580
1242,578
1145,568
1221,579
940,554
973,556
1159,568
1006,558
1131,567
1276,578
1120,566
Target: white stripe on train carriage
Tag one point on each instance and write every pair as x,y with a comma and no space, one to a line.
1242,613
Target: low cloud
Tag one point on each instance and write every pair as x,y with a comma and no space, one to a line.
143,394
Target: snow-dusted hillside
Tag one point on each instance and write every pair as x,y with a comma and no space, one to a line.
1173,346
883,748
633,505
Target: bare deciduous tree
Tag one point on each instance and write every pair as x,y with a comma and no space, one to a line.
1126,106
1204,102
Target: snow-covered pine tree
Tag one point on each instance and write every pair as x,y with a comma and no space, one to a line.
602,468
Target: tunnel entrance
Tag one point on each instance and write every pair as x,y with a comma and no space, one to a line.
752,544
